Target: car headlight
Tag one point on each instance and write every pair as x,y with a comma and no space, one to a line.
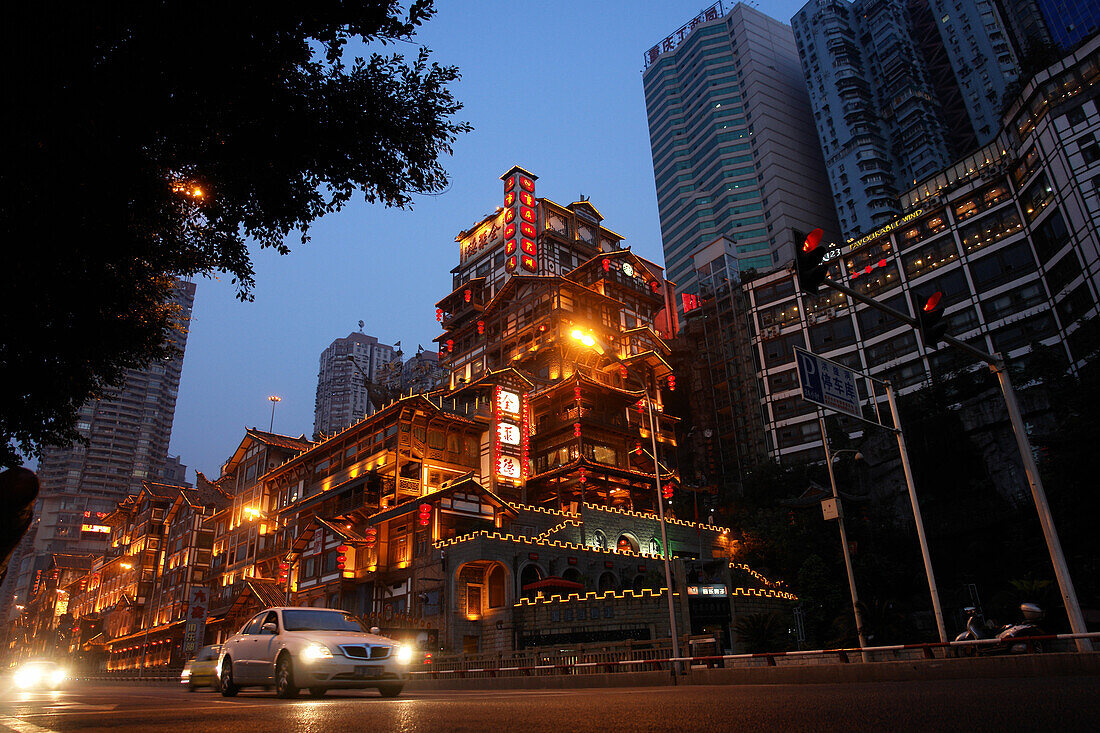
26,677
58,676
313,652
404,654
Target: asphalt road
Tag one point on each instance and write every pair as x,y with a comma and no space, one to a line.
1060,704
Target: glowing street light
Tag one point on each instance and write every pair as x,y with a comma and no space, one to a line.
274,399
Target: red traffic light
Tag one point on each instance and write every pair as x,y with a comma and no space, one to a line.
932,302
930,321
810,264
813,239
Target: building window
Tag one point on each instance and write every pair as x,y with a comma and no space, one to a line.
1000,267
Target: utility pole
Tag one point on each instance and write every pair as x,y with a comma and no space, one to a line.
843,536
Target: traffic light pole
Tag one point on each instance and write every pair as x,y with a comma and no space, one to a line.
936,609
1038,494
843,536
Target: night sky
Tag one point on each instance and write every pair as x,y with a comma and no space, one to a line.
563,99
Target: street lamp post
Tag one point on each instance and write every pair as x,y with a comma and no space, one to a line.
843,537
591,342
274,399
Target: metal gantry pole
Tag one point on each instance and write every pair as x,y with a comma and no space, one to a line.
843,536
664,536
1050,534
936,609
1057,558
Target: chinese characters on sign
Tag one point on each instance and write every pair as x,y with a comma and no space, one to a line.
714,12
510,434
194,630
827,383
520,250
99,528
712,590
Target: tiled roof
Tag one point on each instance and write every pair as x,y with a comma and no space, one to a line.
280,441
73,562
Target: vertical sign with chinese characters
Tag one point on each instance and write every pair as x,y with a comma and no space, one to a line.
520,220
509,435
194,628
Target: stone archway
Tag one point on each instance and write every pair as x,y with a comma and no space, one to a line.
530,573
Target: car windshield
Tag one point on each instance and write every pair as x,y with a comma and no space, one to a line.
321,621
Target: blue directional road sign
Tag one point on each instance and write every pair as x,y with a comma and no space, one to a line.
827,383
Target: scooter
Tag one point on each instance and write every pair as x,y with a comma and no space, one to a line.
1012,638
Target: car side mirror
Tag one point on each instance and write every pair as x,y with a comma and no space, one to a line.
376,631
270,628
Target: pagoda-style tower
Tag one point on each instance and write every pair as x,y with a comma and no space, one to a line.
550,310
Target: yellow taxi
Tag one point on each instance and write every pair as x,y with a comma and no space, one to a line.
202,671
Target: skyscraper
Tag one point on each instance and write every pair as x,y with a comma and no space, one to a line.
899,89
734,151
128,435
350,367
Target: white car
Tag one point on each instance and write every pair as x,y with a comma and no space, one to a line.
315,648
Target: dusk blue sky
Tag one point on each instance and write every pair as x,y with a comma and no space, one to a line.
554,87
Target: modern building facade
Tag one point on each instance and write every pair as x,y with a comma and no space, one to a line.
898,90
734,154
1069,22
1010,235
349,367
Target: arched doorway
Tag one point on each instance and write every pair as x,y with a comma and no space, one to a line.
573,575
530,573
627,543
608,582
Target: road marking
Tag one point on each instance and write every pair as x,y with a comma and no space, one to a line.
22,726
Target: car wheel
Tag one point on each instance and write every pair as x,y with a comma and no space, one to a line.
228,688
390,690
284,678
317,691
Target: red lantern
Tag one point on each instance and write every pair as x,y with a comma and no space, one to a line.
641,406
371,534
583,474
667,491
467,295
439,314
637,447
424,514
671,382
622,371
656,286
341,558
606,264
576,430
481,327
576,393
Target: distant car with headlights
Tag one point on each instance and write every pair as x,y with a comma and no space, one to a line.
318,649
202,670
40,674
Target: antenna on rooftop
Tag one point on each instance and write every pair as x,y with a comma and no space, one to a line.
360,327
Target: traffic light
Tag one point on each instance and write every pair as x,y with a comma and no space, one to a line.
930,321
809,262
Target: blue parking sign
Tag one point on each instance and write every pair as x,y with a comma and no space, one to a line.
827,383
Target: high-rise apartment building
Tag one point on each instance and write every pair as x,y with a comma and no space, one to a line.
1070,21
899,89
734,151
350,367
1008,235
128,434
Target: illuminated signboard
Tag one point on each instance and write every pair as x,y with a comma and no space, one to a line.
484,237
510,434
521,252
710,590
857,243
99,528
714,12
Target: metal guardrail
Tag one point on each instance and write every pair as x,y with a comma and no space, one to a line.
867,655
